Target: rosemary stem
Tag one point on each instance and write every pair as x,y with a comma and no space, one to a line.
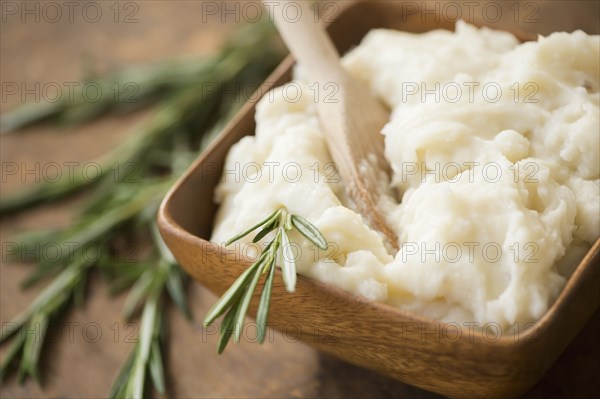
148,320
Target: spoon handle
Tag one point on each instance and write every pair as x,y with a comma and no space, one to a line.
352,121
316,50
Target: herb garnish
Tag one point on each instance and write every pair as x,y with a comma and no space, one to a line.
235,301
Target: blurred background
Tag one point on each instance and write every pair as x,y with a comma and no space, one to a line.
49,47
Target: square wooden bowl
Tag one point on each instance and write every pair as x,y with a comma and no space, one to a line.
444,358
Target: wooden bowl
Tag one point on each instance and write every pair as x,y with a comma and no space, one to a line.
443,358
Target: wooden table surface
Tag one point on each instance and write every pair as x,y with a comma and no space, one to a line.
80,363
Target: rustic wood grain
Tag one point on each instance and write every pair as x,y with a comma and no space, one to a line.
41,52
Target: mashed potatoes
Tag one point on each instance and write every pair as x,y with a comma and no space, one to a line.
495,152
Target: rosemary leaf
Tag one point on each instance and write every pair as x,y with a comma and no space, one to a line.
288,264
156,368
79,291
27,114
33,239
243,308
226,329
309,231
120,385
244,233
176,291
41,272
137,293
11,353
122,275
147,329
271,250
58,289
264,304
264,231
35,333
230,295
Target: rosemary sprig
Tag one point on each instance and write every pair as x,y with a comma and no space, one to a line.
146,358
122,91
31,325
235,301
69,271
182,112
185,119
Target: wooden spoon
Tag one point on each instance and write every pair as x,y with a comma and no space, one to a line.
352,118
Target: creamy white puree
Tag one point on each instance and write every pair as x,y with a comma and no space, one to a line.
500,192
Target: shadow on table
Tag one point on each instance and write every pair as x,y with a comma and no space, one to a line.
338,379
574,375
